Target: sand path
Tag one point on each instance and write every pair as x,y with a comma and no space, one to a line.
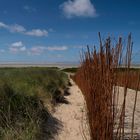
72,116
74,120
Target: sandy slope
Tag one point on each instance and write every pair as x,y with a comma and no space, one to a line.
72,116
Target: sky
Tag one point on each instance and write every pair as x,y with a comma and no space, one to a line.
50,31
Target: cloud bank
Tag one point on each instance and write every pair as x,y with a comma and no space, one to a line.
37,50
20,29
17,47
37,33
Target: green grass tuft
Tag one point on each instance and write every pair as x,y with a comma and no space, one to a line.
22,110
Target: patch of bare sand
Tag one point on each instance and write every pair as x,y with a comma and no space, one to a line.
129,111
73,116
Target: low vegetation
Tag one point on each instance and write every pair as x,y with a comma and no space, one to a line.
70,70
25,97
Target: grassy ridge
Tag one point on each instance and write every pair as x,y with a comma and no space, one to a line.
22,111
71,70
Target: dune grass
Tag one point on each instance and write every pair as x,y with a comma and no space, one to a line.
22,95
71,70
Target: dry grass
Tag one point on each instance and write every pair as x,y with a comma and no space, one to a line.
132,78
98,80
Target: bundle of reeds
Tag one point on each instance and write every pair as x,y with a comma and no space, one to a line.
98,79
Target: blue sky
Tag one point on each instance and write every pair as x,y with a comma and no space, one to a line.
55,30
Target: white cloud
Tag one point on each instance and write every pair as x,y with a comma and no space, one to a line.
29,9
16,28
13,28
2,25
17,47
37,32
57,48
36,50
23,48
17,44
20,29
78,8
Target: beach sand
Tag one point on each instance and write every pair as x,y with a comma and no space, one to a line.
129,111
73,116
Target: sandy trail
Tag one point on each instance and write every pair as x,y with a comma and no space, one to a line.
72,116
